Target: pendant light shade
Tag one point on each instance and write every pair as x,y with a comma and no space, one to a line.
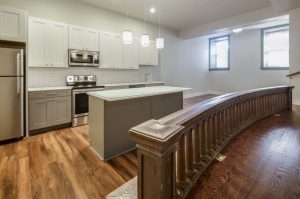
145,41
160,43
127,37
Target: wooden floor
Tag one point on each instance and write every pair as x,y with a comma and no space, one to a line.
262,162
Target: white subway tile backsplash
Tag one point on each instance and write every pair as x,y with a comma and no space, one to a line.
48,77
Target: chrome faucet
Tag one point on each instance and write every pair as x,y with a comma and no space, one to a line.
147,75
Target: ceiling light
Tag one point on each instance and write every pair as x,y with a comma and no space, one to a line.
152,10
127,37
237,30
145,41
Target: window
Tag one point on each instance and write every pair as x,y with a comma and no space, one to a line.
275,47
219,53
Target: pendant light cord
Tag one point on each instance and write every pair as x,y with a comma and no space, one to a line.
159,7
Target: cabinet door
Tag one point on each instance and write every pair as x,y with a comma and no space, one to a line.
37,34
57,44
148,55
117,51
144,57
61,110
91,40
153,54
130,55
39,113
12,24
76,35
106,50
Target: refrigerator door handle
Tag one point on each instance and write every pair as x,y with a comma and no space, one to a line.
21,60
18,63
18,86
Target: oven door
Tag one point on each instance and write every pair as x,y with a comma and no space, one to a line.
81,102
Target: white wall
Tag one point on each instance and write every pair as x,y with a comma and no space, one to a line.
295,52
245,73
76,13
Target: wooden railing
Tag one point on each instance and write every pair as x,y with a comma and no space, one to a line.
293,74
174,151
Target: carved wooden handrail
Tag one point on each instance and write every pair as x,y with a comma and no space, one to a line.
293,74
174,151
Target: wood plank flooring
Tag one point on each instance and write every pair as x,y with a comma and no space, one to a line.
262,162
60,164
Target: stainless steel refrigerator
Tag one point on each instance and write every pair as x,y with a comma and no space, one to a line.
11,93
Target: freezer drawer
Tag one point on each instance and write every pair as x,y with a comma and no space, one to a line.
11,62
11,108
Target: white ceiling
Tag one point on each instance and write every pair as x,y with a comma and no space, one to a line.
182,14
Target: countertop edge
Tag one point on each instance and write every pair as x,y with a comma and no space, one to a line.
137,96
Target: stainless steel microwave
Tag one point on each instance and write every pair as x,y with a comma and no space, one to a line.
84,58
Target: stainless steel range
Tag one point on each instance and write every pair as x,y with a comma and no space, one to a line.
80,100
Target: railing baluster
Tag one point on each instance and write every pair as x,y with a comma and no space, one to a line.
189,152
196,145
180,158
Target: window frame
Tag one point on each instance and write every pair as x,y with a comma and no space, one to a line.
228,61
263,48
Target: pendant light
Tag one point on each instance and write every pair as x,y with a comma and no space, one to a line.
160,42
145,40
127,34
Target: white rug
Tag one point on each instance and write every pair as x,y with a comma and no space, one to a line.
126,191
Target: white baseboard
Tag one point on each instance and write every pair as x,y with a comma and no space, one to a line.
203,93
296,102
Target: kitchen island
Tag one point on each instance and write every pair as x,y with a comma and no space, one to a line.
113,112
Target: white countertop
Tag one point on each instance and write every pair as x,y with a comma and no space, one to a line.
133,83
50,88
123,94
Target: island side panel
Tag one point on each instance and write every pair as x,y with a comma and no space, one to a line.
163,105
120,116
96,120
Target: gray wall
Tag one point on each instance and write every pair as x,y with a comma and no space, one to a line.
245,73
295,52
76,13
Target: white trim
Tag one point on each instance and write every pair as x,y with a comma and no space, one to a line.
202,93
296,102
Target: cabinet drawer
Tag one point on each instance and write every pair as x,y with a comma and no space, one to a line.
48,94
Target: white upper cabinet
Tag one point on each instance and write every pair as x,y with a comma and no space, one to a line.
37,30
57,46
47,43
91,39
148,55
130,55
12,24
83,39
111,50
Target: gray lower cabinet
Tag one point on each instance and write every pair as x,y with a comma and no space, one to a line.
47,109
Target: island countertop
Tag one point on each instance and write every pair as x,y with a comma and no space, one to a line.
124,94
